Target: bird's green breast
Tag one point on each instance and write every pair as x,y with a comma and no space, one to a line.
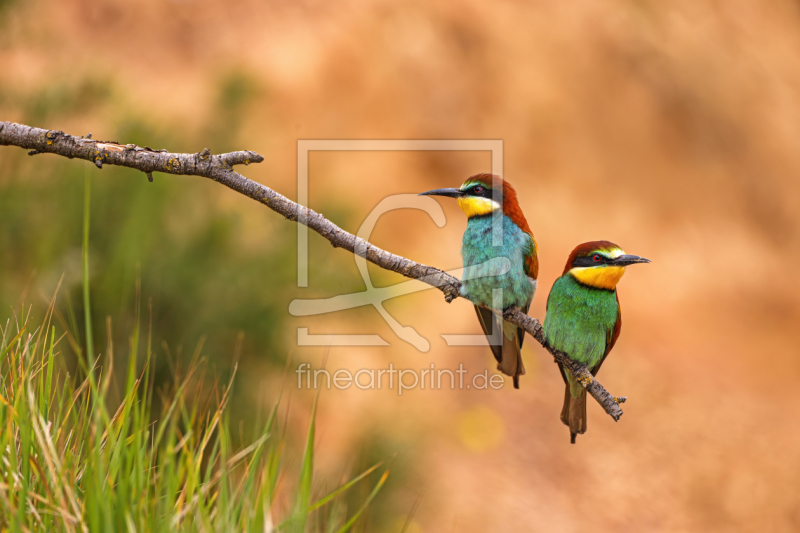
580,319
481,275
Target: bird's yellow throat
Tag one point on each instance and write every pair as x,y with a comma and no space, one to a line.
600,277
474,206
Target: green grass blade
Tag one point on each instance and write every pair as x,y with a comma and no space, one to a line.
87,305
363,508
322,501
303,502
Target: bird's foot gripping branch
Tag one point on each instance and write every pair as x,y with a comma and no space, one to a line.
220,169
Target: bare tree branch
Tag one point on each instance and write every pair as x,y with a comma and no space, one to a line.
220,169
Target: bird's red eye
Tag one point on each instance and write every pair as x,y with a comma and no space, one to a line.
479,189
596,258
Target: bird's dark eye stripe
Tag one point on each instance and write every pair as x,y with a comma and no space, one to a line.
480,190
590,260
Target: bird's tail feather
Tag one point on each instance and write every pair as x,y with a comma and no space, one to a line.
573,413
511,362
509,353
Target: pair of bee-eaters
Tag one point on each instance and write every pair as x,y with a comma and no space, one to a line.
583,313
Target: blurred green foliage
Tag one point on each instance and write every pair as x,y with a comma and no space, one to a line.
168,233
235,90
4,6
196,260
77,96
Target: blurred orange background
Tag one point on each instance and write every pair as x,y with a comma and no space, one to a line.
668,128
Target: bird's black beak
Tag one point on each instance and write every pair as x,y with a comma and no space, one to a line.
450,193
625,260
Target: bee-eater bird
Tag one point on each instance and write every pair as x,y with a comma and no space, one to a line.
481,197
583,317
